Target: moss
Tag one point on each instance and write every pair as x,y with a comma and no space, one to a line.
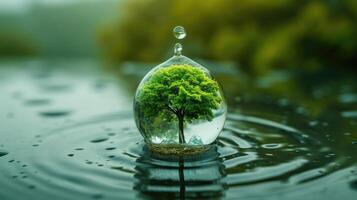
177,149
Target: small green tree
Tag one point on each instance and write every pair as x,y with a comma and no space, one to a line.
180,92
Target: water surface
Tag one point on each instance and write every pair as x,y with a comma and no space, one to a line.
67,132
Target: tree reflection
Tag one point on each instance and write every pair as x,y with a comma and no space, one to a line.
163,177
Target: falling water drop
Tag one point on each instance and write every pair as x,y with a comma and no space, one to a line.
177,49
179,32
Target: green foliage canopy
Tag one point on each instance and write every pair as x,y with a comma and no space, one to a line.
180,91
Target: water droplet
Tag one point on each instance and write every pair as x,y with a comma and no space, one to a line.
178,49
32,187
100,139
54,113
10,161
271,146
79,149
3,153
179,32
70,155
35,145
110,148
89,162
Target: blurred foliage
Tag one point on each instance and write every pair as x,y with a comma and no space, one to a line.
56,29
12,44
260,35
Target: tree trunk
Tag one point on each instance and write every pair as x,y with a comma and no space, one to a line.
181,134
182,179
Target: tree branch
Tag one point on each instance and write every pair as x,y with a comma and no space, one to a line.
172,109
181,112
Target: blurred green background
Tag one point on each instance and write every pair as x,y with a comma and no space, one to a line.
256,35
53,28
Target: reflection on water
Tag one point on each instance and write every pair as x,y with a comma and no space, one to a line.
191,177
288,138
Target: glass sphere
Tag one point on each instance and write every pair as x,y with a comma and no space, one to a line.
179,108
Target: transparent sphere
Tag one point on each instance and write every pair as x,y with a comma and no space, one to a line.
179,108
179,32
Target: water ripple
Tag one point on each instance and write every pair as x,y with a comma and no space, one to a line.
87,160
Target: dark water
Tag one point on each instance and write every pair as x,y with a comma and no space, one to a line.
67,132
